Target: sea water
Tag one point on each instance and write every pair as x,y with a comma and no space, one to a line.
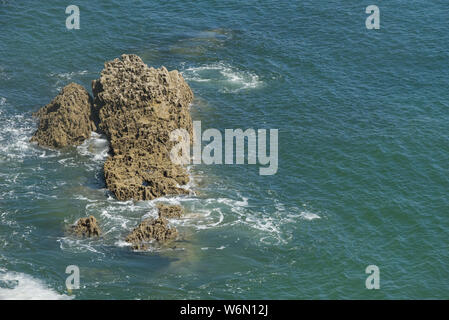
363,151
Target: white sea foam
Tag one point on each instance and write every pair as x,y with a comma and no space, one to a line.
20,286
122,243
68,75
74,245
306,215
96,147
229,78
121,220
81,197
16,131
271,225
3,74
63,78
14,140
68,162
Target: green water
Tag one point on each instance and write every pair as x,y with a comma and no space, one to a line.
363,151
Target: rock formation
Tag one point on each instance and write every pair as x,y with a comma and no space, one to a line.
86,227
138,107
151,230
169,211
67,120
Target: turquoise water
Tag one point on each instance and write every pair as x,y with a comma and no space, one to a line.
363,151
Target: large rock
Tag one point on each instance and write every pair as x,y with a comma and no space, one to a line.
138,107
67,120
86,227
151,230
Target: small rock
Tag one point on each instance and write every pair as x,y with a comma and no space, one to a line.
86,227
169,211
149,230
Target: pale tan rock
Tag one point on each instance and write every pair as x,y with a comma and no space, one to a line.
151,230
169,211
67,120
138,108
86,227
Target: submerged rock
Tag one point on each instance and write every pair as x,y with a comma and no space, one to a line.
138,107
151,230
86,227
169,211
67,120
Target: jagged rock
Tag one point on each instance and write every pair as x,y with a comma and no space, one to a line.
169,211
67,120
138,107
86,227
149,230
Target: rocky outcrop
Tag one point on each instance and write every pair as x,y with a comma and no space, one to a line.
138,107
169,211
151,230
67,120
86,227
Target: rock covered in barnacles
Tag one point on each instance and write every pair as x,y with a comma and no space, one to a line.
86,227
67,120
151,230
138,107
169,211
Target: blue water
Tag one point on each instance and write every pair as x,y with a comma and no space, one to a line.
363,151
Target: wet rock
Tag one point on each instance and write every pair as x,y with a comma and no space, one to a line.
67,120
169,211
151,230
138,107
86,227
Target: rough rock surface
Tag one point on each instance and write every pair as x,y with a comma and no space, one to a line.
138,107
149,230
169,211
67,120
86,227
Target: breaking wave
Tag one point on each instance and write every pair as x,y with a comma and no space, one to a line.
62,79
306,215
229,78
20,286
96,147
16,131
